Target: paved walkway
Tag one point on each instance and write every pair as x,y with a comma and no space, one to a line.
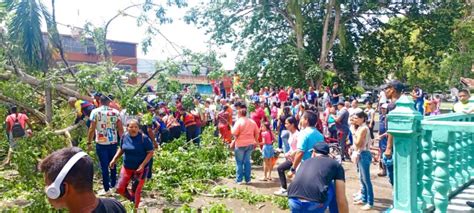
458,203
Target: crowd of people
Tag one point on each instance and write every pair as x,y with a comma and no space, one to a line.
301,125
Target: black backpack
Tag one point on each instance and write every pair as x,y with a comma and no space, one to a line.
17,129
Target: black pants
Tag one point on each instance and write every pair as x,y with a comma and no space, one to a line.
282,168
175,132
371,129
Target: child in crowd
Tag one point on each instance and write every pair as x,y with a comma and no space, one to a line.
268,152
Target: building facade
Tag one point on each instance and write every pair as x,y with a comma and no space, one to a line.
124,54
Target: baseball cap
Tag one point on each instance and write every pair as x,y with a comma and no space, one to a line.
321,148
384,106
395,84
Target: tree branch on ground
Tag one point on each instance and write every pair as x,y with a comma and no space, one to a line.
33,81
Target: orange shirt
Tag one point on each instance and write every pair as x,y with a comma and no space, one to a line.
245,131
229,110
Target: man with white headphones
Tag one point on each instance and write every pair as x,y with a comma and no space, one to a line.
69,175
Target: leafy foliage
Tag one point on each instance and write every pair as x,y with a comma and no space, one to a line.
413,48
183,169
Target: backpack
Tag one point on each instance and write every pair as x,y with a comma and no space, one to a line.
17,129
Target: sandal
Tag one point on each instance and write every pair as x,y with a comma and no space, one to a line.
263,179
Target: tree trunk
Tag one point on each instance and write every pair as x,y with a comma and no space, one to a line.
298,27
48,105
31,80
324,40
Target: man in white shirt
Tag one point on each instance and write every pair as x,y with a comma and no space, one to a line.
382,99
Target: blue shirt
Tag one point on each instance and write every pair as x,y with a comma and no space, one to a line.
311,97
135,150
306,140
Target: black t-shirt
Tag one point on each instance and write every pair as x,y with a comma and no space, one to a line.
335,91
313,178
107,205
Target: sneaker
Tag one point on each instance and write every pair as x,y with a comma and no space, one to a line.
281,192
247,182
366,207
240,183
358,202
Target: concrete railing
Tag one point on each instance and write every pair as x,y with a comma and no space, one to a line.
433,157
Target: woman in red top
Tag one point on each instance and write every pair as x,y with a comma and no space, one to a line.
224,124
191,127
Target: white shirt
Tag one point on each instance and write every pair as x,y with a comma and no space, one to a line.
106,128
382,97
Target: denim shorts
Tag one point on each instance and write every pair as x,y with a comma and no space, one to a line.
268,151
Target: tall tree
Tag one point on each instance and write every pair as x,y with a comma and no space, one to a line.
413,48
25,33
312,27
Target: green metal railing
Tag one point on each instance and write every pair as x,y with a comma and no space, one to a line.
433,157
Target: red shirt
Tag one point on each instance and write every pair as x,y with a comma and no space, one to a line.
257,116
268,137
22,118
283,96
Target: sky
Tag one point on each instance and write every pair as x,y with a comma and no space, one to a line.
98,12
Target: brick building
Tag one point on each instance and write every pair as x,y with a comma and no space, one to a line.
124,54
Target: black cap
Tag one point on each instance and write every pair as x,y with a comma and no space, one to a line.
321,148
395,84
296,99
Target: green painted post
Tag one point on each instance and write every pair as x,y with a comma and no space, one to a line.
471,143
427,159
470,150
456,159
404,126
441,185
466,156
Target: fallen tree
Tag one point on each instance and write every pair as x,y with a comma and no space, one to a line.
33,81
36,113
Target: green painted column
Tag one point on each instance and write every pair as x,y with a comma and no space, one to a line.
404,126
427,159
466,156
441,184
455,178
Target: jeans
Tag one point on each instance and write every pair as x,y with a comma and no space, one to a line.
191,134
364,177
419,107
275,124
282,168
242,159
298,206
280,141
175,132
106,153
389,170
150,166
197,140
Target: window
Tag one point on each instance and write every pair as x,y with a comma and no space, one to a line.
73,45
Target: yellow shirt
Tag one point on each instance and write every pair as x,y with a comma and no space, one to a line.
460,107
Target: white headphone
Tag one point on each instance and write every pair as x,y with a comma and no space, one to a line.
55,190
